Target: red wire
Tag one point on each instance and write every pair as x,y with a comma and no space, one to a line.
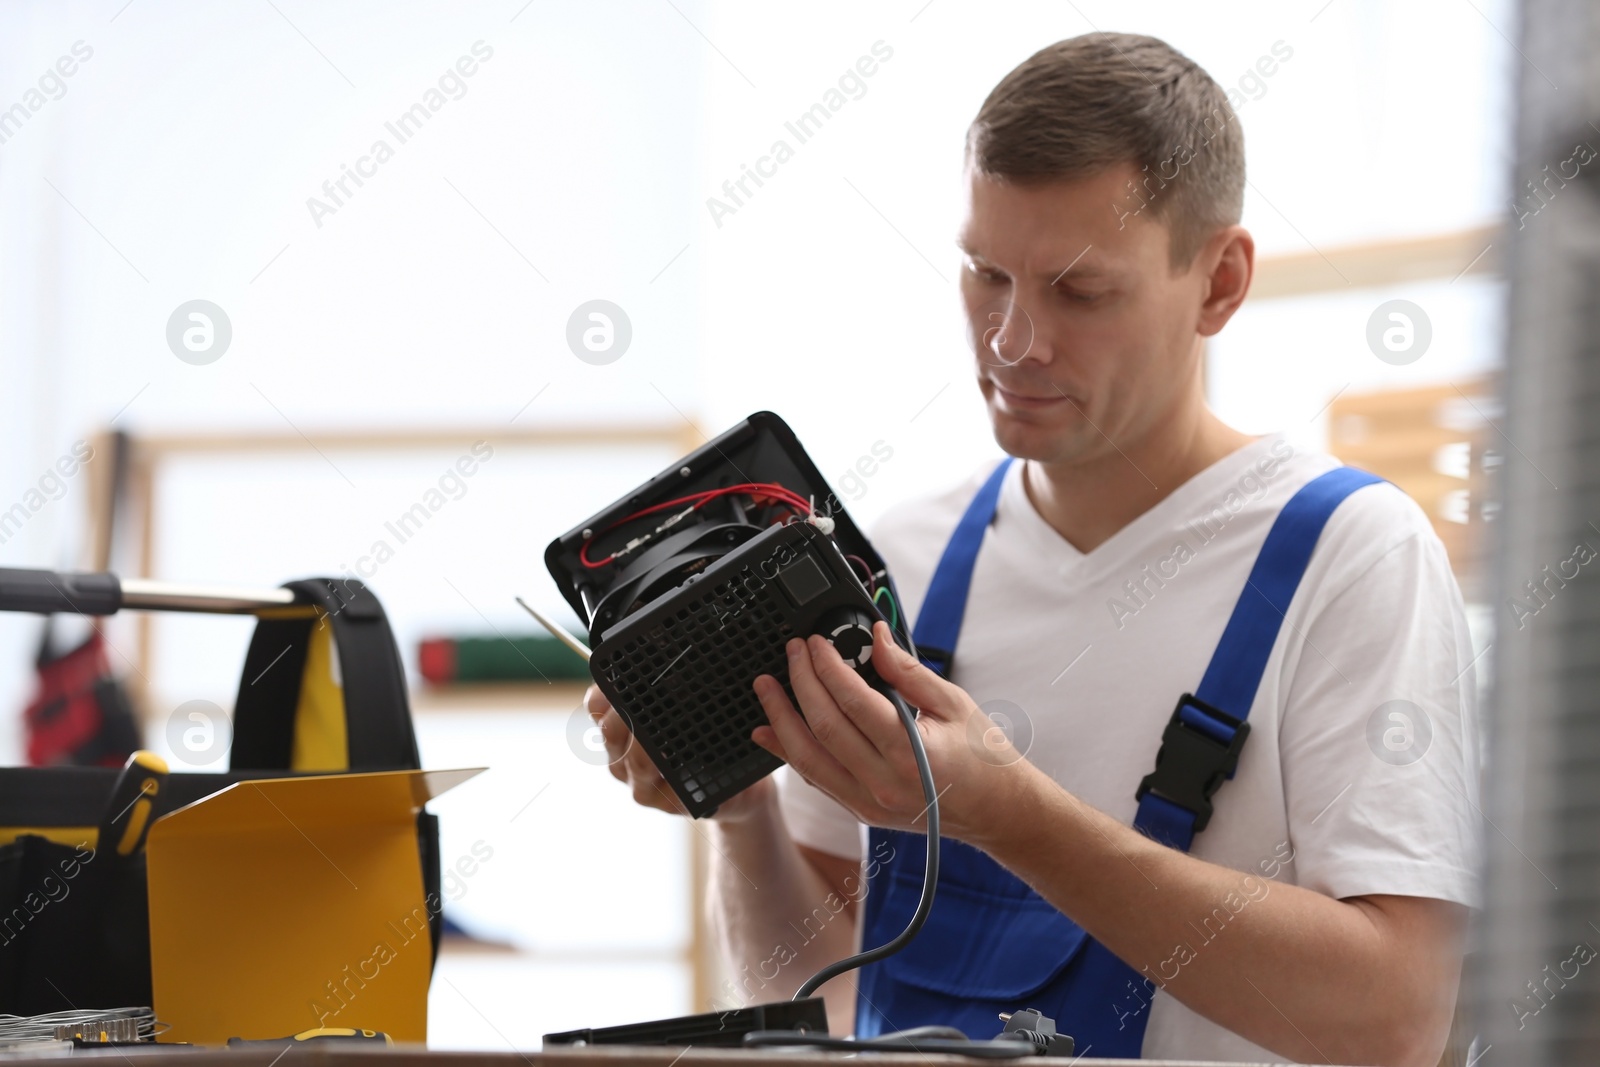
754,490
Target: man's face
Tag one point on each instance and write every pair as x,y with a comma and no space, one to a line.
1085,338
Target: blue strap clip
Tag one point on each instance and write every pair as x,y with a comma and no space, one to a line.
1199,750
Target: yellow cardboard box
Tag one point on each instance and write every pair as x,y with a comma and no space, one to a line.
281,905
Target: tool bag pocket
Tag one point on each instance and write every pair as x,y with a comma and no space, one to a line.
74,931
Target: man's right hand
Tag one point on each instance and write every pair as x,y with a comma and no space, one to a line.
629,764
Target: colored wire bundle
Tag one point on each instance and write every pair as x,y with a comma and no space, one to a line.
763,494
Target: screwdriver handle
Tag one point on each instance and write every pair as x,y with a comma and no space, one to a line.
128,813
329,1033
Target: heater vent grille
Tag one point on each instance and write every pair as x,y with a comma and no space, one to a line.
685,680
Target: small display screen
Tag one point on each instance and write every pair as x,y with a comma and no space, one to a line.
804,580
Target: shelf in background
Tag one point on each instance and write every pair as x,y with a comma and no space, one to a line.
559,696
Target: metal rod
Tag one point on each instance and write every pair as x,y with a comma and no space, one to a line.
142,593
557,631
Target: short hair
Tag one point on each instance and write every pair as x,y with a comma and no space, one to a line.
1087,103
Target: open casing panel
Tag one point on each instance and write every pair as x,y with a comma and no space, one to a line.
762,448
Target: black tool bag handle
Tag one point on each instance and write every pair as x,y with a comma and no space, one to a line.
377,708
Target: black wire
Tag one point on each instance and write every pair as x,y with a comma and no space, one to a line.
917,1033
930,877
905,1041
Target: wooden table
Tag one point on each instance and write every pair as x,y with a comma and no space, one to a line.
329,1055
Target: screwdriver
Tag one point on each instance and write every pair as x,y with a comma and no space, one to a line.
338,1034
128,812
557,631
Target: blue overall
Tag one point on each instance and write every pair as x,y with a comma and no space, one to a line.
991,943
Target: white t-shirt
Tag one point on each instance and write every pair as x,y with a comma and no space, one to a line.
1086,655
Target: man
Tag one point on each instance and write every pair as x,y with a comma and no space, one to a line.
1318,914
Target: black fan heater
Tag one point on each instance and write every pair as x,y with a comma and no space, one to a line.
692,583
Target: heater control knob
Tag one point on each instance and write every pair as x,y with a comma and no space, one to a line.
849,631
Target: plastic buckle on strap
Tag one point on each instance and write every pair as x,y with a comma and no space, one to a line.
1199,748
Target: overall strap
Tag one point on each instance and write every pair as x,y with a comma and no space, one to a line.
1200,746
957,972
939,622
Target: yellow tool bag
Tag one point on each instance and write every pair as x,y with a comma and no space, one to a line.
323,692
